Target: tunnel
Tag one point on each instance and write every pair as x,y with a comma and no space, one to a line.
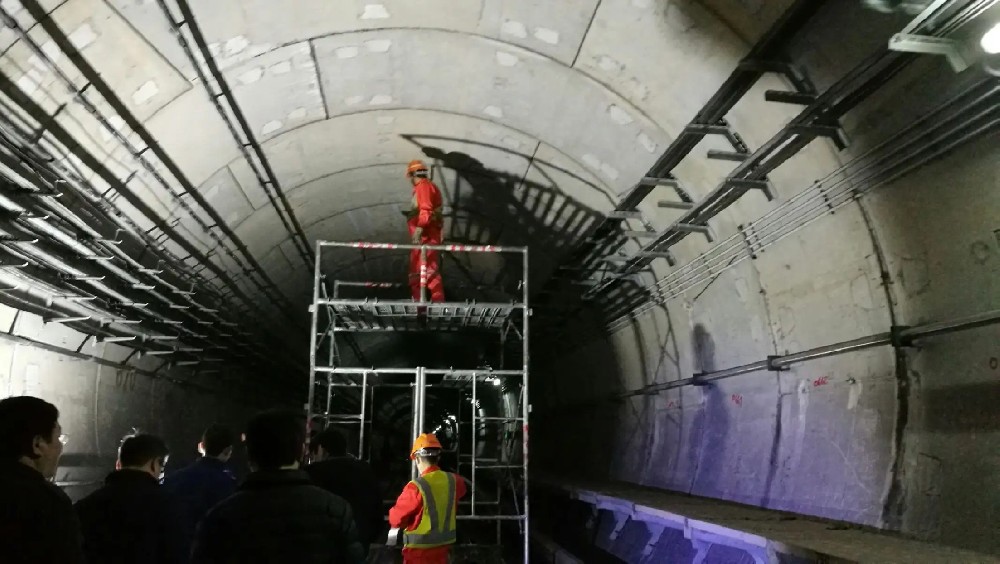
721,277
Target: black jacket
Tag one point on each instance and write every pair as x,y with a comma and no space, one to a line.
196,489
353,480
279,516
37,523
130,519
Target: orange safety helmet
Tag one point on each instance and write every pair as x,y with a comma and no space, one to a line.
415,166
424,442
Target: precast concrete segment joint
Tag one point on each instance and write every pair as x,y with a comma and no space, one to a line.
62,41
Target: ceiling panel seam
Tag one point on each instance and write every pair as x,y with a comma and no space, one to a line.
586,32
506,44
88,160
601,185
93,77
284,210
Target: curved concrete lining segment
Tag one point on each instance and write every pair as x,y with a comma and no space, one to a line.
537,117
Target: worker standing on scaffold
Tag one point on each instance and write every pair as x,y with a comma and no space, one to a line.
425,223
426,509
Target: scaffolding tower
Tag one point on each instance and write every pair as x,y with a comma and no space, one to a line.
494,458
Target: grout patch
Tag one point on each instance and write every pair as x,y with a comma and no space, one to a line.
348,52
236,45
493,111
547,35
270,127
380,100
51,50
82,36
378,45
618,115
27,85
145,92
511,142
251,76
609,64
297,113
506,59
374,12
283,67
646,142
517,29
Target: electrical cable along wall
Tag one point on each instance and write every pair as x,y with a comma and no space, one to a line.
493,457
113,266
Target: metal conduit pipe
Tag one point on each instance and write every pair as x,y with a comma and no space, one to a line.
154,220
901,337
72,309
94,78
964,132
93,164
291,223
101,214
828,107
85,200
71,242
958,117
772,46
82,250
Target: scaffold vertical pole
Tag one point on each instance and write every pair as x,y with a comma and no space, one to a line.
422,385
415,431
364,411
475,436
312,341
526,405
423,274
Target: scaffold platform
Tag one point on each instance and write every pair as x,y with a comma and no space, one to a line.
489,419
375,315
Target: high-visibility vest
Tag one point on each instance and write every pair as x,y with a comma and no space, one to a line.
437,523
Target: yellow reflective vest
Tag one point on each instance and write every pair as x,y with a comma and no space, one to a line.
437,523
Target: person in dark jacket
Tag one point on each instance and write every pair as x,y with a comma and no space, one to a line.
354,480
131,519
278,515
37,523
202,485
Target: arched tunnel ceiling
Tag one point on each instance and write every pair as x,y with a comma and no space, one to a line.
537,116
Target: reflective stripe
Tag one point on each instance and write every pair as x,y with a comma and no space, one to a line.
435,528
427,494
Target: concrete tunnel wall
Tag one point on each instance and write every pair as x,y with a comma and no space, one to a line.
575,103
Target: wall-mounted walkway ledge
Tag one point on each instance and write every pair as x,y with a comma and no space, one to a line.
711,530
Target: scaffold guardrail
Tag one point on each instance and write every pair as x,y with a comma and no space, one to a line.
343,315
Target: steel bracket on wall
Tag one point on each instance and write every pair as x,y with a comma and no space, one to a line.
772,364
898,339
954,51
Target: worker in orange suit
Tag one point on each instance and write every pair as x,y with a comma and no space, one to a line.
425,223
426,509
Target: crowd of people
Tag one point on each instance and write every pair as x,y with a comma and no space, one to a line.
329,511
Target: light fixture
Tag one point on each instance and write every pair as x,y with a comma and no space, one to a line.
991,40
496,381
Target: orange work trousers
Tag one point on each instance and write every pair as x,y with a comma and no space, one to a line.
430,275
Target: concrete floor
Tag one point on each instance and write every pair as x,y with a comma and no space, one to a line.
537,116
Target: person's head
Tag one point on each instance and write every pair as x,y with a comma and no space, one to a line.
146,453
328,443
417,170
217,442
426,451
275,440
30,433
